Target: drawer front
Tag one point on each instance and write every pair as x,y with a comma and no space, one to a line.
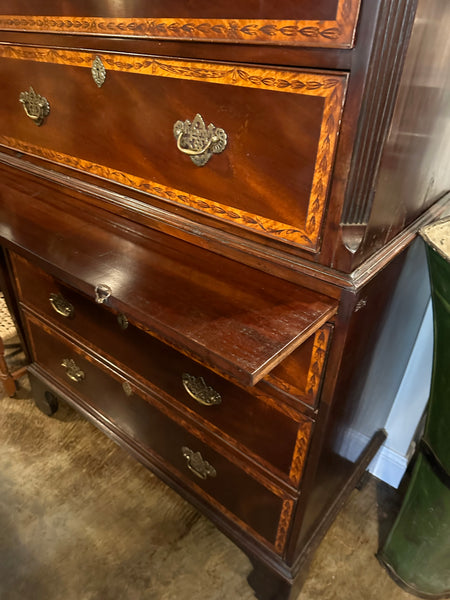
265,138
300,375
209,473
319,23
252,421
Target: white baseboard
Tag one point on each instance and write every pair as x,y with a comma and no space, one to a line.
389,466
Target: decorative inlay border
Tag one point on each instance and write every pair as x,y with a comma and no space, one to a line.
335,33
318,355
239,217
300,451
283,525
329,87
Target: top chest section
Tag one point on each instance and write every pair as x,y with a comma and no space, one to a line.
219,119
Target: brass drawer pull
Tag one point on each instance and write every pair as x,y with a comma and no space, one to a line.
197,464
61,305
73,371
198,141
198,389
102,293
36,107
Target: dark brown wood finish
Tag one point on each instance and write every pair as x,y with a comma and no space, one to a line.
269,275
325,23
298,376
235,186
192,299
413,166
241,416
376,66
157,433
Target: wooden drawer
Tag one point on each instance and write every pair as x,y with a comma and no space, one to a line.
281,128
300,375
319,23
253,419
254,504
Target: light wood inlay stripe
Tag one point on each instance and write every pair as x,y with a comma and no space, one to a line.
317,361
335,33
330,87
284,525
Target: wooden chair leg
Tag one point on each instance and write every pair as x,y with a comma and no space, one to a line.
7,380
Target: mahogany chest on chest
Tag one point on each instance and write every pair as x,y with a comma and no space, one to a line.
205,211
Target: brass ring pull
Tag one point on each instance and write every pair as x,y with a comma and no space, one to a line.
36,107
198,141
198,389
73,371
102,293
61,305
194,152
197,464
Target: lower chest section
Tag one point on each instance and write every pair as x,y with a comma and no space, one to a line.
238,451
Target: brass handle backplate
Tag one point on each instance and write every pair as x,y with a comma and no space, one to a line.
73,371
36,107
198,141
197,464
198,389
102,293
61,305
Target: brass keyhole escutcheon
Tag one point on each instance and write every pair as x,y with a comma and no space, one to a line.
102,293
122,320
98,71
128,390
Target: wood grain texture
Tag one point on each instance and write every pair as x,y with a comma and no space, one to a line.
299,379
413,166
241,321
336,32
307,115
391,44
160,368
305,227
236,487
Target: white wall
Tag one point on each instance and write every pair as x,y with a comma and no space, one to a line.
409,405
396,392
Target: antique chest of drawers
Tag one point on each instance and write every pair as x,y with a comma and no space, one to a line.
205,213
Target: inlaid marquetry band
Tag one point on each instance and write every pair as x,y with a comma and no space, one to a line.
300,452
334,33
318,355
330,87
315,368
284,525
